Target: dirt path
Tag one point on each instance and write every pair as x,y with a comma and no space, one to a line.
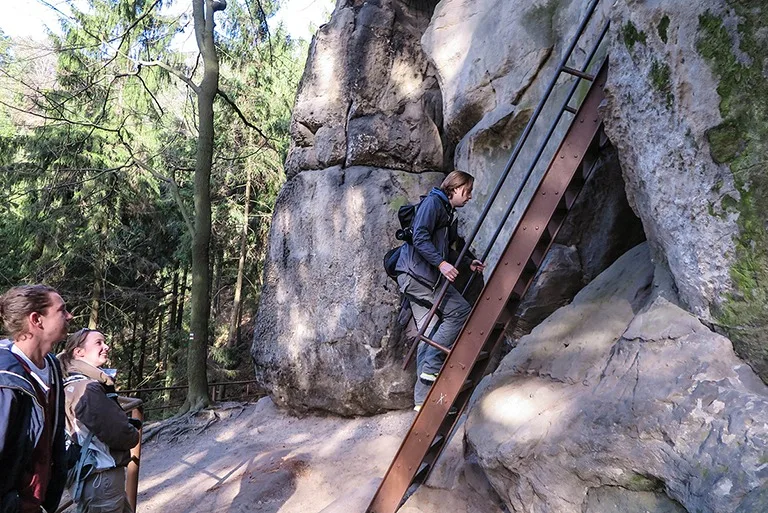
261,460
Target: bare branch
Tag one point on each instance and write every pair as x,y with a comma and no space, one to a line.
171,183
240,157
173,71
61,118
169,180
245,121
262,18
63,185
98,40
144,85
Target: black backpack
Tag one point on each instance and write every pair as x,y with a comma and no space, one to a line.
405,214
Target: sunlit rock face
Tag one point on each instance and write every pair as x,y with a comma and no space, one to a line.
368,95
662,101
494,60
687,89
623,398
326,337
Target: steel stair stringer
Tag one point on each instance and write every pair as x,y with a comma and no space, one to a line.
493,313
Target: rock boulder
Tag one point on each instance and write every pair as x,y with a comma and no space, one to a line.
327,335
623,392
368,95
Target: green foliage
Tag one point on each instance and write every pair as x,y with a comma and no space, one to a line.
97,155
741,141
631,35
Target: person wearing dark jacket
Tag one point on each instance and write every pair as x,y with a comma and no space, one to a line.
419,267
92,410
32,447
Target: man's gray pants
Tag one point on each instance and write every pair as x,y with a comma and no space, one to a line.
453,312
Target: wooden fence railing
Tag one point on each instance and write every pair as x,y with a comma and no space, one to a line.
218,392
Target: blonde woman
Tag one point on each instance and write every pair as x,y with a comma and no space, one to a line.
93,415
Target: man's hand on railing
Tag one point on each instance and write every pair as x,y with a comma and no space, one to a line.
477,266
449,271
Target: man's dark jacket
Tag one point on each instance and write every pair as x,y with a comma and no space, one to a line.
21,424
431,239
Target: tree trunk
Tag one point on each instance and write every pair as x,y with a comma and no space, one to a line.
182,296
93,320
98,272
121,344
218,272
131,350
143,346
159,340
174,299
200,303
234,321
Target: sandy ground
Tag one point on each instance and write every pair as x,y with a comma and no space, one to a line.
258,459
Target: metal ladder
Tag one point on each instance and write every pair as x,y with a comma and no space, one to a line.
494,313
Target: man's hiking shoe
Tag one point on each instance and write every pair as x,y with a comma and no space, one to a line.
428,378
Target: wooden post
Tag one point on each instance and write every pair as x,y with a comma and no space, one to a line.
132,478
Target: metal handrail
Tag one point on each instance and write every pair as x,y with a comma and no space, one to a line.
562,67
543,146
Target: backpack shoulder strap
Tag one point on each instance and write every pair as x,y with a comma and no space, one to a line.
79,478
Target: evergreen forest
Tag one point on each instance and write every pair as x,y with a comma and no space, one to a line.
141,156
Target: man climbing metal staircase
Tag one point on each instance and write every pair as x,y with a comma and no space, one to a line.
494,313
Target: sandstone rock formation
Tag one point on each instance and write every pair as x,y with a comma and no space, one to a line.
490,90
659,80
494,60
399,89
326,337
687,88
618,394
368,95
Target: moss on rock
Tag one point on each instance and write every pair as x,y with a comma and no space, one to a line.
741,142
726,142
641,483
660,76
631,35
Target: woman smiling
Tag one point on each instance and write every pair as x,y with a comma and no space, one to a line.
97,422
